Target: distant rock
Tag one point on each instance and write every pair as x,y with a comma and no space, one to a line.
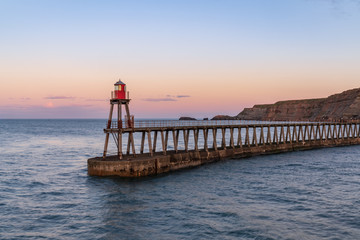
205,119
342,106
187,118
224,117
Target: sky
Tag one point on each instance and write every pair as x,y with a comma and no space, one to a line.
198,58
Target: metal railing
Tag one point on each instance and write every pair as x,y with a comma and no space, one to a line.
160,136
194,123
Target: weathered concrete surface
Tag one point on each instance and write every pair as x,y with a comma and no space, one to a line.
145,165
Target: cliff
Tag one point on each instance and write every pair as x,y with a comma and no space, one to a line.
342,106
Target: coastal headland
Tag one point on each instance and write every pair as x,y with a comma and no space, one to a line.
338,107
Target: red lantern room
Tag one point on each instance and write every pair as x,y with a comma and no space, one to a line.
120,90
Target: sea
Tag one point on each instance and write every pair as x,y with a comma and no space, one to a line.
46,193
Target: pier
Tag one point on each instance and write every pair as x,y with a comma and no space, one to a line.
146,148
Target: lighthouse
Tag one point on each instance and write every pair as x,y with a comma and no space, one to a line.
119,91
119,100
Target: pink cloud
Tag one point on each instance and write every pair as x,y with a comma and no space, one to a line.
168,98
96,100
183,96
159,99
59,97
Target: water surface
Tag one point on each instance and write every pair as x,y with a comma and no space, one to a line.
45,192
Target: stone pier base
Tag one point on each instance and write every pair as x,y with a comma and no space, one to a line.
145,165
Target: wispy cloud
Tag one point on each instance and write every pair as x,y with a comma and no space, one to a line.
21,99
48,111
96,100
58,97
167,99
178,96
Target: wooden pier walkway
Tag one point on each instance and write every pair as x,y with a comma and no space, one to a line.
152,147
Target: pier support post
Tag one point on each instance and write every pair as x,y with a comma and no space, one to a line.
318,132
132,143
338,129
295,134
330,131
206,131
196,136
247,137
155,138
186,139
268,137
323,132
301,134
312,133
288,135
223,141
349,131
254,140
142,142
108,126
307,132
232,137
175,139
214,130
149,142
128,145
166,139
262,138
163,142
353,130
239,141
282,134
276,138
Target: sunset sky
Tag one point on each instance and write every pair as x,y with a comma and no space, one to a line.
199,58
